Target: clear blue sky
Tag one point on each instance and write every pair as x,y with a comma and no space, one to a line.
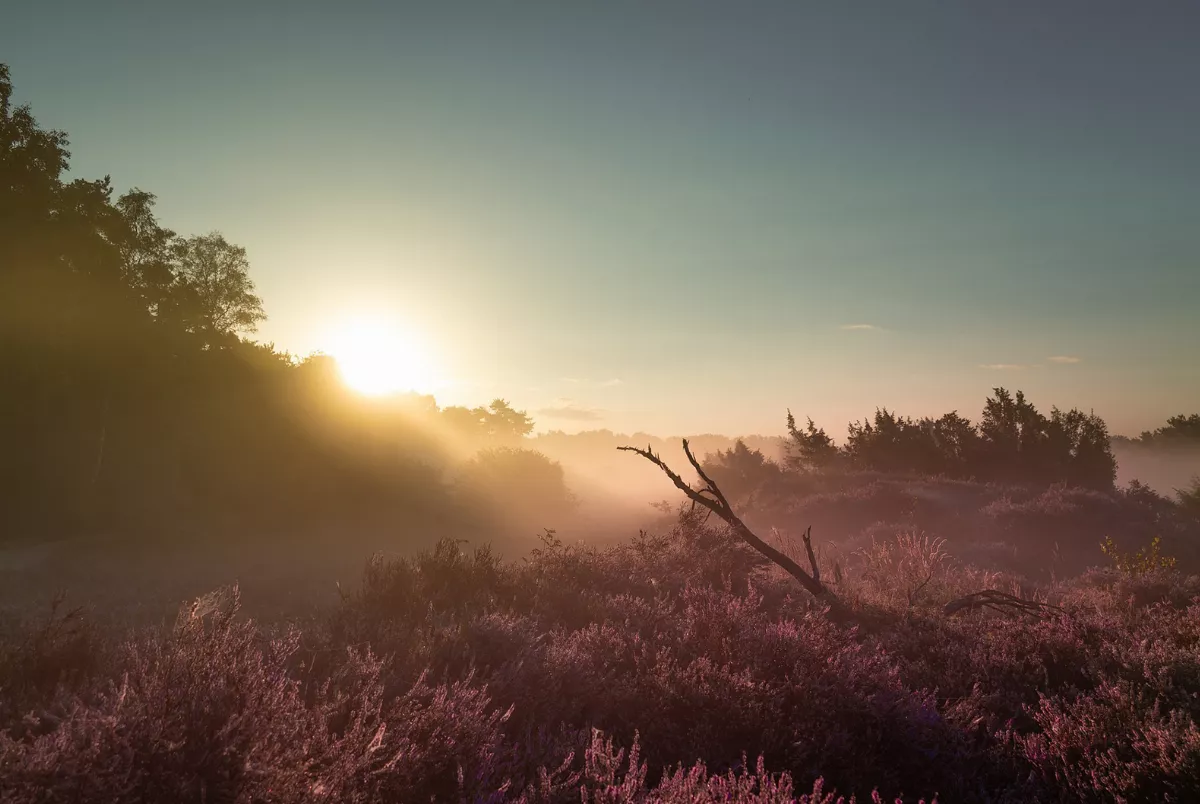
664,216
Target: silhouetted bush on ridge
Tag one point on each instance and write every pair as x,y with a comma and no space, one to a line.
1013,443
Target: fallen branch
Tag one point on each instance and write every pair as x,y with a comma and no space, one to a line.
998,601
711,497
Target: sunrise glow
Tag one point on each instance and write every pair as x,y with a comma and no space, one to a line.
377,358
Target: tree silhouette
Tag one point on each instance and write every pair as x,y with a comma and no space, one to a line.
810,448
127,392
497,424
1180,430
740,470
956,442
217,298
504,423
1013,443
1013,436
146,251
1078,450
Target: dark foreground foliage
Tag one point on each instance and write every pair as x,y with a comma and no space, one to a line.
671,668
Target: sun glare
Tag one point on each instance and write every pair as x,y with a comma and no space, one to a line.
376,359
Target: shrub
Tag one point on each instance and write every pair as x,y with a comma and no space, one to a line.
48,657
910,568
1114,744
517,481
740,471
609,777
453,676
1189,498
1146,559
207,711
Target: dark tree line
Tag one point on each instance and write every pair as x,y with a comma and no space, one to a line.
129,393
1180,432
1013,442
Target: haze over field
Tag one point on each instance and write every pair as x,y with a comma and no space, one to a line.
373,257
542,403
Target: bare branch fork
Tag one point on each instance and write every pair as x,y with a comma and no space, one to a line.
711,497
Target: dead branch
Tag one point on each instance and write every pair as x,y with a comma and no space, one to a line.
711,497
998,601
812,559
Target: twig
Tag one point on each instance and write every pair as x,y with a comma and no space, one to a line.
998,601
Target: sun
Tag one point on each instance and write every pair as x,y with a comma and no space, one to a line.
375,358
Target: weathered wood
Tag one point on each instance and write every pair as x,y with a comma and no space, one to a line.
712,498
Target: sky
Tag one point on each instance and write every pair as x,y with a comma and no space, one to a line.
677,217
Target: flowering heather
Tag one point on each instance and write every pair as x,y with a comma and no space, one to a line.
671,668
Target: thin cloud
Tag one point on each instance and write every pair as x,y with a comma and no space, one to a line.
594,383
1002,366
570,410
1064,359
861,327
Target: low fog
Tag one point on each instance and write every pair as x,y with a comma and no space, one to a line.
408,473
1167,471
